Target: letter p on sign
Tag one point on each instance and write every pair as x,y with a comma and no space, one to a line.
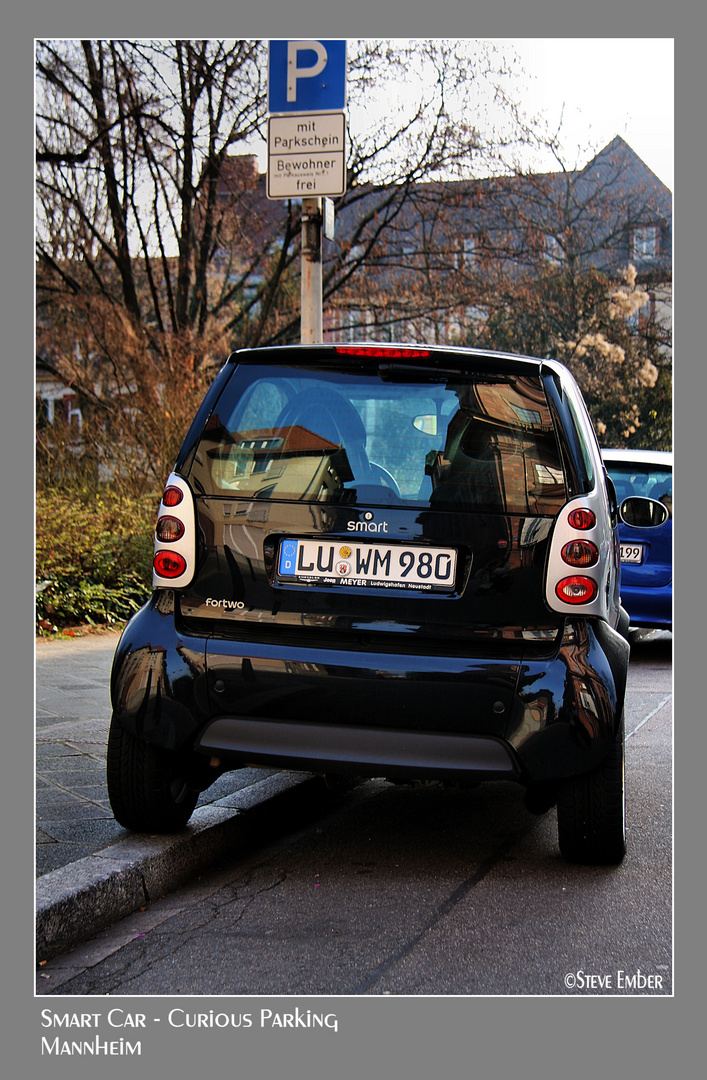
294,72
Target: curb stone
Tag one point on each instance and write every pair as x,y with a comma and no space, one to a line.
77,901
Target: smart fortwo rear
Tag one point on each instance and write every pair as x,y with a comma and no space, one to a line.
382,561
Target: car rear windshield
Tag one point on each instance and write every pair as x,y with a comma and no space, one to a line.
461,441
641,478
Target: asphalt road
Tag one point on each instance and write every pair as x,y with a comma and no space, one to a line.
417,890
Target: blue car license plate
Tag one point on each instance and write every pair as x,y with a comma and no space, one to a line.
631,553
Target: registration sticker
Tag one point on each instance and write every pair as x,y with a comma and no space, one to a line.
631,553
393,566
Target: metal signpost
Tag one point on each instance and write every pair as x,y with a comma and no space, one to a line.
307,149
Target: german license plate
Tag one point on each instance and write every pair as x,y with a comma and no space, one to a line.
631,553
387,566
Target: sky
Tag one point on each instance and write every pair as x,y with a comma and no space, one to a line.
608,86
600,88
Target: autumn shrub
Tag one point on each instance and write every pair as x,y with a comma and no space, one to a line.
93,556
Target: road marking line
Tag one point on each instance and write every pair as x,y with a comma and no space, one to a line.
650,714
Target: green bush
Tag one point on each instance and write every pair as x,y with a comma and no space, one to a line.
94,557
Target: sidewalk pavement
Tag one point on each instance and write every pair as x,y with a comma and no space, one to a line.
91,871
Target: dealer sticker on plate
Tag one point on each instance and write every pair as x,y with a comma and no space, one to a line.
391,566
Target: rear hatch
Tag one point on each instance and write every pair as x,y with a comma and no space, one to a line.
376,497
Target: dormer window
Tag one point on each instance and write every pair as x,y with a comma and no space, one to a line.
646,242
473,251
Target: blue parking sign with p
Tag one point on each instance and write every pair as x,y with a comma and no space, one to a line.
306,76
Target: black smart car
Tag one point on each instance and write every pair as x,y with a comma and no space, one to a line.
387,561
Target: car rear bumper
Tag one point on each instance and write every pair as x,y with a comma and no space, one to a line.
530,718
649,607
367,751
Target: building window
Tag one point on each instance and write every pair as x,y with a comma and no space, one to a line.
468,252
642,319
645,242
73,415
47,409
554,252
527,416
61,405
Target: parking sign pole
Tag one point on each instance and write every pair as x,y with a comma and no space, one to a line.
311,293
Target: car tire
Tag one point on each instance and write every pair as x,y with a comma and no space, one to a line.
591,811
147,788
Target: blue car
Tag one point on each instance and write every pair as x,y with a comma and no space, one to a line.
646,554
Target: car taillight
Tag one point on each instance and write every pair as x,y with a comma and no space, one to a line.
174,557
581,553
172,496
169,564
577,589
582,519
169,530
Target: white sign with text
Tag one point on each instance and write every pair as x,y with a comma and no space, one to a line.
306,155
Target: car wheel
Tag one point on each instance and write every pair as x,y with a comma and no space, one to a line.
147,788
591,813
